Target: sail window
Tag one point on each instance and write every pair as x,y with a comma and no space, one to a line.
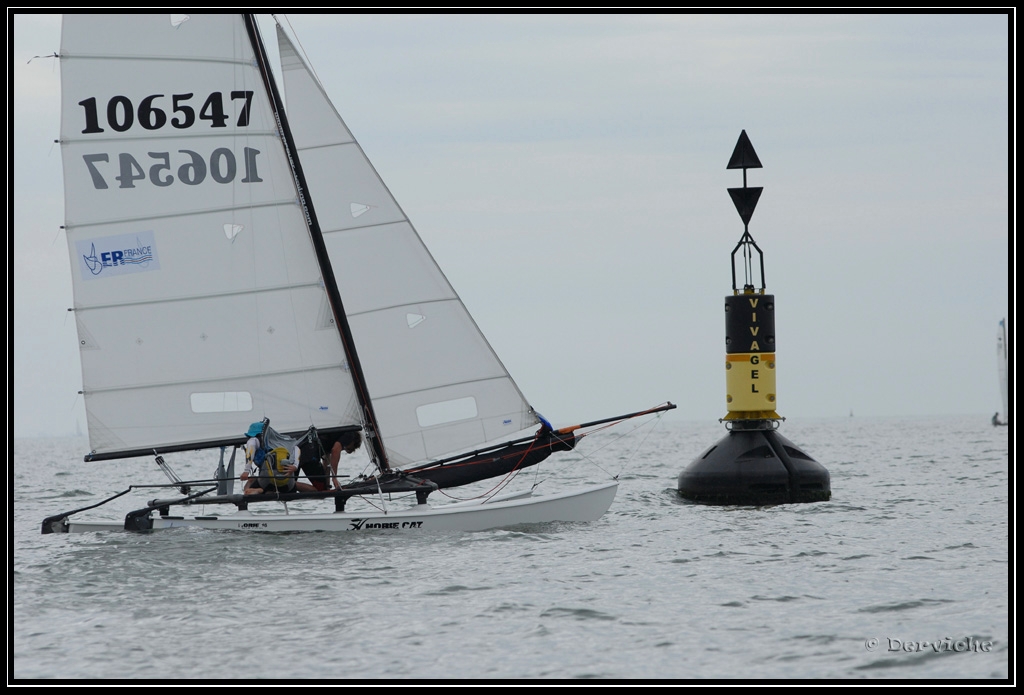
221,402
443,412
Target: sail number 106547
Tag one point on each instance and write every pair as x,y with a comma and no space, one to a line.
122,114
191,168
178,111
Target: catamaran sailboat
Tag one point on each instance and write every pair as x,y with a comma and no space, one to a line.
234,261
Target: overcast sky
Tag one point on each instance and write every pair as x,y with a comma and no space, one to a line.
568,173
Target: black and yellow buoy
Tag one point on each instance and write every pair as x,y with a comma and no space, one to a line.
753,463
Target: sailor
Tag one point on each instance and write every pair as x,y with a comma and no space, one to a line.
330,446
258,477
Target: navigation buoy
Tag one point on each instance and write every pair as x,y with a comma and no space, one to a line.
753,464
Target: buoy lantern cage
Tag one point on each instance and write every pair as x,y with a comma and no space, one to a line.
753,464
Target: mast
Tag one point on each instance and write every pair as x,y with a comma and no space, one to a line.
376,447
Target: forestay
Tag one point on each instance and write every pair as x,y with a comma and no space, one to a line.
436,384
197,294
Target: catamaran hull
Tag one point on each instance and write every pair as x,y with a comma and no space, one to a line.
584,504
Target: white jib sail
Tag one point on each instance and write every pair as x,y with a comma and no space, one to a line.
436,384
197,294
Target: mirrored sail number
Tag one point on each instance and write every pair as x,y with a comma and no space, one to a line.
121,114
191,168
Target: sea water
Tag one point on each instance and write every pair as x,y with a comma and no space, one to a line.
903,574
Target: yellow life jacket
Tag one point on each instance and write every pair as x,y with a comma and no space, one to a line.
272,470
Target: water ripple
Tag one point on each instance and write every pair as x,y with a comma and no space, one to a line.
913,546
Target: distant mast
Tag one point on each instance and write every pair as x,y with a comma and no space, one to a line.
1003,366
1006,371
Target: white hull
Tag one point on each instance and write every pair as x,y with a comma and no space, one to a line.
583,504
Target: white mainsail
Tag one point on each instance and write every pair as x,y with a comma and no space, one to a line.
436,384
197,294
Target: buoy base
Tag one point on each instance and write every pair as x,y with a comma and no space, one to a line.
755,467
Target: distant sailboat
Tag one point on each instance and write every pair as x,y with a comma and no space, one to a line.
1002,357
